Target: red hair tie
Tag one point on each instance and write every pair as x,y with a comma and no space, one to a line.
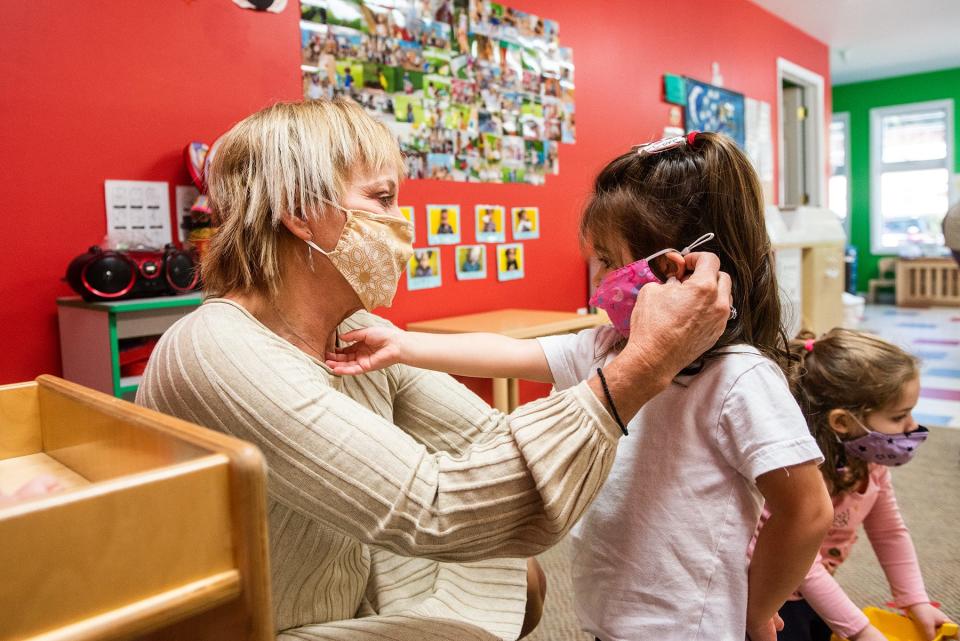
691,137
808,344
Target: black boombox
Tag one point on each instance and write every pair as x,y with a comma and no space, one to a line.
105,274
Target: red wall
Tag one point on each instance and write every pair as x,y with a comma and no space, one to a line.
115,89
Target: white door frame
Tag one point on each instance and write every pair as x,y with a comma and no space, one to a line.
815,135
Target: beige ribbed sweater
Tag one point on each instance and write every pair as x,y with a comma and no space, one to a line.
397,498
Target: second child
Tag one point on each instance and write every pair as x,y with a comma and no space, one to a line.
858,393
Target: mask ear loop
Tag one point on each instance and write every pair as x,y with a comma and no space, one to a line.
313,245
861,423
686,250
706,238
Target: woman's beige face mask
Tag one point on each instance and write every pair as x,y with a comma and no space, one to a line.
371,254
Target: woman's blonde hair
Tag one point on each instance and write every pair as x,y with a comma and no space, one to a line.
286,159
845,370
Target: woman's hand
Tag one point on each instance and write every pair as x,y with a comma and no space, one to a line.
869,633
927,617
671,326
765,630
371,348
674,323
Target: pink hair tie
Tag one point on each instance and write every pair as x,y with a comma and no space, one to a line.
808,344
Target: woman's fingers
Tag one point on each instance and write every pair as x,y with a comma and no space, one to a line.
355,335
704,265
345,369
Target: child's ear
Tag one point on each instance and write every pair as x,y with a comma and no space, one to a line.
840,421
672,265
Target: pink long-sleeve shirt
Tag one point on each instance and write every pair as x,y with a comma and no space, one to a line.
876,508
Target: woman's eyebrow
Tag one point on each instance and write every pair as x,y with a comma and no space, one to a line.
387,184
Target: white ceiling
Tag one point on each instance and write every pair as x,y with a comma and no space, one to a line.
872,39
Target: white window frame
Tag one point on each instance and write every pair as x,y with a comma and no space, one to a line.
877,114
844,117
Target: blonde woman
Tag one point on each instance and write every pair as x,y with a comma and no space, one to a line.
401,505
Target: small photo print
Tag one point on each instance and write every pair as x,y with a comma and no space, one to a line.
471,262
408,214
526,222
490,224
443,224
510,261
440,166
408,109
423,270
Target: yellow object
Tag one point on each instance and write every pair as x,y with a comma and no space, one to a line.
897,627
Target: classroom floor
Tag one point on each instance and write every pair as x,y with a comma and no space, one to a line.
933,335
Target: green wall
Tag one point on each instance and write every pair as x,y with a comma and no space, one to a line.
857,99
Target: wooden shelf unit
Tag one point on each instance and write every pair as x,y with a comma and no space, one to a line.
157,533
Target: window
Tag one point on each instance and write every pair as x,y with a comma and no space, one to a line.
911,156
838,190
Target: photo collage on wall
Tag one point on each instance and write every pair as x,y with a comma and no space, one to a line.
473,90
444,225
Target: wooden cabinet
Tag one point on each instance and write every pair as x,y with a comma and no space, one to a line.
159,530
822,306
809,245
92,335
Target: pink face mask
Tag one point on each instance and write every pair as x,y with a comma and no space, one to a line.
617,294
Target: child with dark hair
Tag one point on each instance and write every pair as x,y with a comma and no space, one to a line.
661,553
857,393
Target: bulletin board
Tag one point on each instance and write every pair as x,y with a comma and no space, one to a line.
711,108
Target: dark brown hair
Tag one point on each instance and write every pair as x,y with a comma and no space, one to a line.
846,370
652,201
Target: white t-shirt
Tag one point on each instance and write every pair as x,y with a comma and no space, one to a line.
662,552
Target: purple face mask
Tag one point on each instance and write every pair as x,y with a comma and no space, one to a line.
886,449
617,294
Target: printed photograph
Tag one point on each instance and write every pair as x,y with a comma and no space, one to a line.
443,223
510,261
471,262
526,222
423,270
490,224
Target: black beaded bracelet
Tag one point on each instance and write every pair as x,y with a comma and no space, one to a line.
613,408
